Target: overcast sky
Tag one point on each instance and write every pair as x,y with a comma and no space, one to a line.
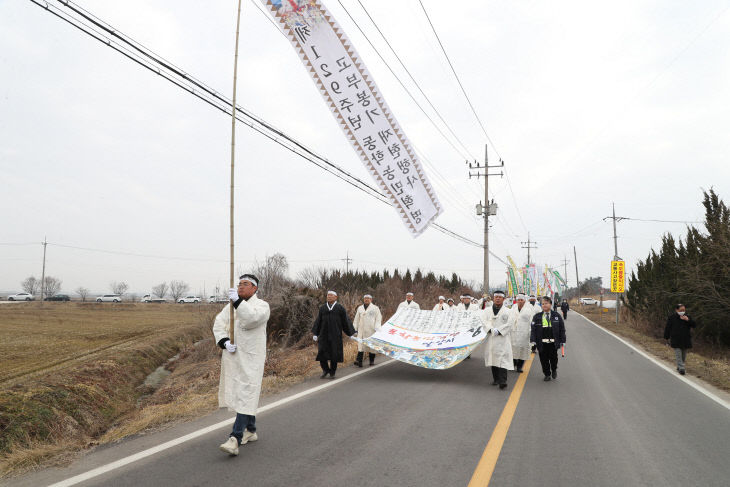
586,102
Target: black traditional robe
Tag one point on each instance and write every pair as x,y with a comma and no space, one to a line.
328,327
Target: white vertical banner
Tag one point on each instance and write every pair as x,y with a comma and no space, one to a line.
356,103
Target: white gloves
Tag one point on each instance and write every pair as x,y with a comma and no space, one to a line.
314,338
495,331
532,344
231,347
233,294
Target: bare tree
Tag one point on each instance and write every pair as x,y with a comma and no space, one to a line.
51,285
177,289
119,287
31,285
83,292
160,290
133,297
310,277
272,274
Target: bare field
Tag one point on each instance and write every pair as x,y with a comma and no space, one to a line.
71,374
35,339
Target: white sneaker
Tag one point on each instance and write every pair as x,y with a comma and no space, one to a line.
230,446
248,436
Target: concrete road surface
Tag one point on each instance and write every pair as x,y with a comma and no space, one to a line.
612,418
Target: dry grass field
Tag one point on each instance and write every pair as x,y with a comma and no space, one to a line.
35,340
72,374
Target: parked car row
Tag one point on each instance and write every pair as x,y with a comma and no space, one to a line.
116,298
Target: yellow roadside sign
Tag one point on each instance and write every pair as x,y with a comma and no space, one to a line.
618,276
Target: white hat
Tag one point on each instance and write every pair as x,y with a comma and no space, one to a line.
441,297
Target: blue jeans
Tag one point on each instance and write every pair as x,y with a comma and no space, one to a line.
243,422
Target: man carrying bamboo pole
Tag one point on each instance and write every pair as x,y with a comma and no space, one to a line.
242,363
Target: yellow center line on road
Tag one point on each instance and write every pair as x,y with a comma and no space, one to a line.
485,468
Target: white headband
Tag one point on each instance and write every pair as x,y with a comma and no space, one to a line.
250,279
409,294
521,296
499,294
332,292
441,297
367,296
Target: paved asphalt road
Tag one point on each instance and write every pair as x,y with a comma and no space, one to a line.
612,418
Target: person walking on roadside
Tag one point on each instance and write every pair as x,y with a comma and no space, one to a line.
678,335
548,334
331,322
564,307
520,335
441,305
242,362
498,322
408,303
367,321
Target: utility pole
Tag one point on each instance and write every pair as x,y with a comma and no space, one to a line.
347,261
528,245
488,208
577,283
615,250
43,272
565,268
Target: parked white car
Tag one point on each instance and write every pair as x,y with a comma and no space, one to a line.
148,298
190,299
21,297
217,299
588,301
109,298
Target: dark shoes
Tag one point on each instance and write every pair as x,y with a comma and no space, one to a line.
332,375
324,374
359,363
555,374
681,372
547,378
520,371
503,386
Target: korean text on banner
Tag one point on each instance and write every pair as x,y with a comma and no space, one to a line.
357,105
618,277
429,339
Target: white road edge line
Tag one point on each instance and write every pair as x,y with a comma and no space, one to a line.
195,434
701,389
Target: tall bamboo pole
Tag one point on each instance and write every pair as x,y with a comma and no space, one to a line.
233,159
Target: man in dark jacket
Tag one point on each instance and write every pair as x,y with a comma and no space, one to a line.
331,322
678,336
564,307
547,332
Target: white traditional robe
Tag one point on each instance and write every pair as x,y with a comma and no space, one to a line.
472,307
498,348
405,304
520,335
243,371
441,307
367,322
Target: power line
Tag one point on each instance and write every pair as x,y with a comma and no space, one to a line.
218,101
473,110
411,76
401,82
